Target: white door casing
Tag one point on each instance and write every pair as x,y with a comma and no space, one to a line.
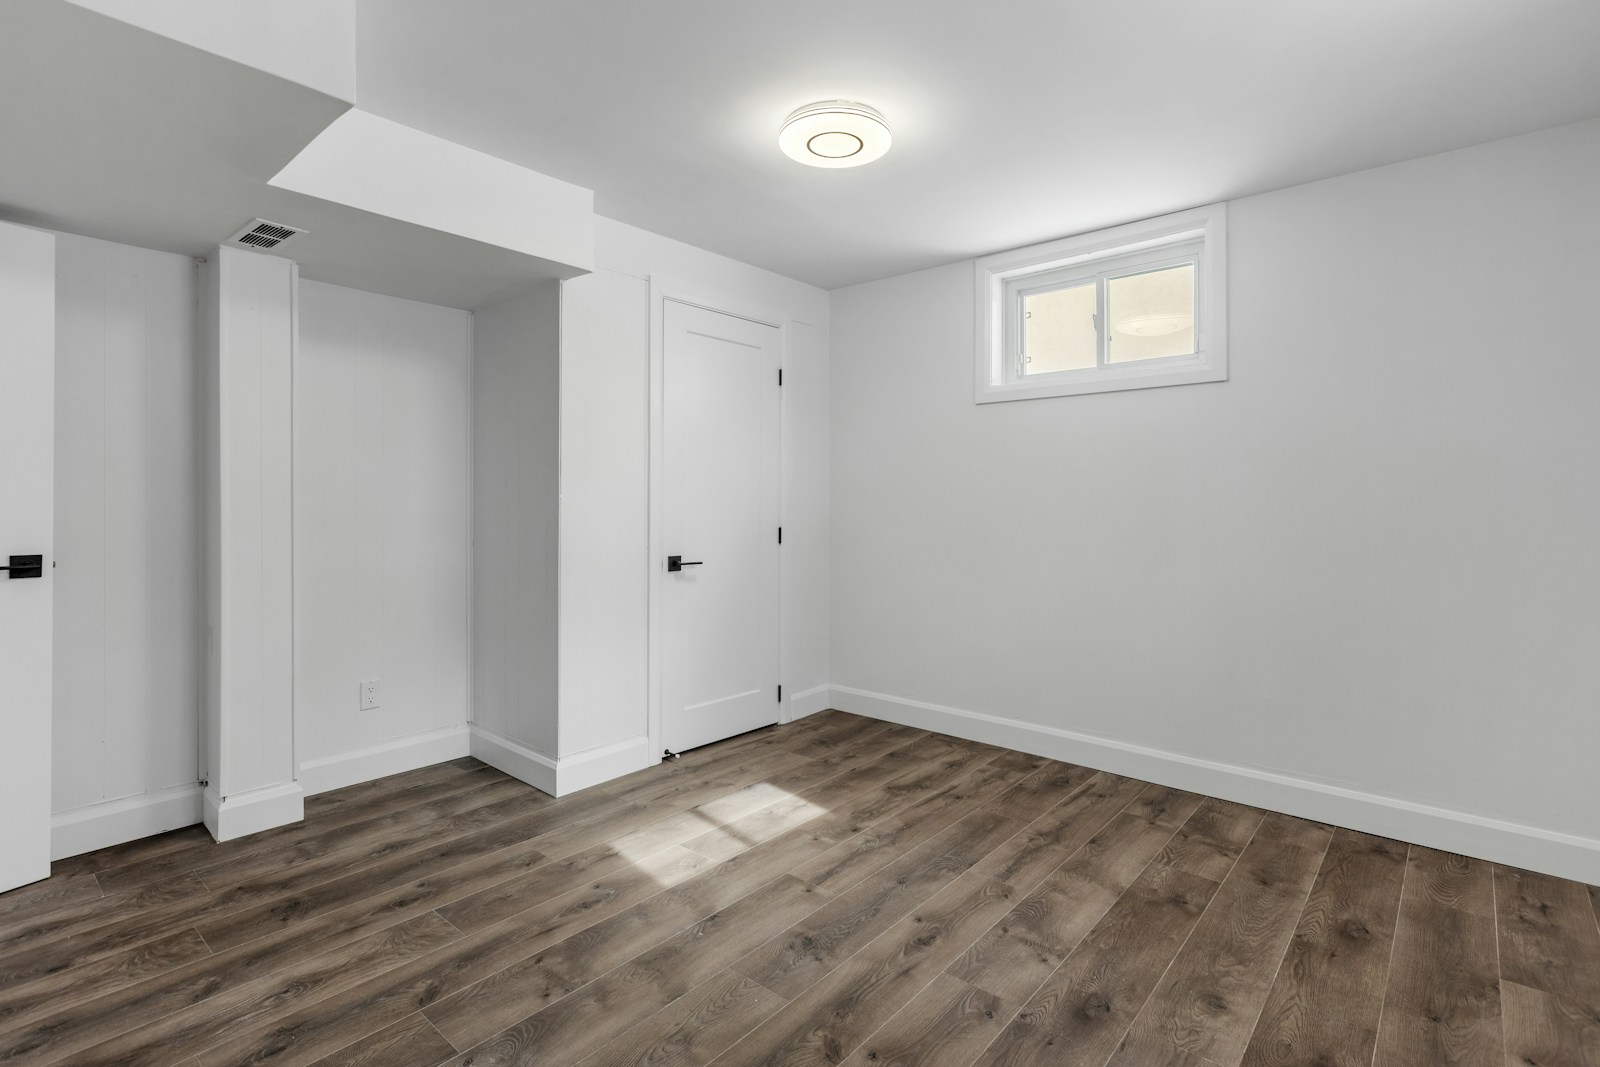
27,523
719,508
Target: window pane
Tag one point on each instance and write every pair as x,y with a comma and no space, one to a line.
1058,330
1152,314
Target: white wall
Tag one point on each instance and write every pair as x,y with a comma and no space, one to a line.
1364,565
127,633
382,555
127,584
514,507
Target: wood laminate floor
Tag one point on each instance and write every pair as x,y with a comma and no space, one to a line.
836,891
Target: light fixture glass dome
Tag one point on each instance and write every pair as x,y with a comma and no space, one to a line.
834,133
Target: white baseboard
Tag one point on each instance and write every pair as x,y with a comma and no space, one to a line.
517,760
809,702
380,761
73,833
253,811
1563,855
596,765
560,775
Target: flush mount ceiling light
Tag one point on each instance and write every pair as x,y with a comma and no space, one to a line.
834,133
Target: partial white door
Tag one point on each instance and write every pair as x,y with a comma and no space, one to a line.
27,492
720,470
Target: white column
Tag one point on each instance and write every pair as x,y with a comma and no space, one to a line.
250,684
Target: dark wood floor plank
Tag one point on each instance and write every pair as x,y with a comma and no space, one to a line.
1210,998
1442,1004
850,803
830,749
545,973
602,882
1024,949
379,838
411,1042
799,957
688,813
694,1029
1042,790
580,1024
863,855
55,944
653,780
24,1002
1081,1013
19,907
239,999
389,808
158,909
417,786
1324,1006
949,1022
401,908
635,923
1548,938
131,851
272,916
1210,843
1044,844
841,1011
884,737
769,821
1450,881
1164,806
170,1007
1544,1030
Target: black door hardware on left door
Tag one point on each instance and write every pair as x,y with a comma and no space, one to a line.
677,563
25,567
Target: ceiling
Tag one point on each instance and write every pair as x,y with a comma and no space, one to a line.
1014,120
114,132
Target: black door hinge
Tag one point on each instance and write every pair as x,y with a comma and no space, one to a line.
780,694
780,535
780,375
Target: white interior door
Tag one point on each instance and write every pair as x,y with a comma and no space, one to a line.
27,493
719,508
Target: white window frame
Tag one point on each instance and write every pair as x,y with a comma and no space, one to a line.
1196,236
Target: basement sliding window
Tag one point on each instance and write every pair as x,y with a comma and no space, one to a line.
1129,308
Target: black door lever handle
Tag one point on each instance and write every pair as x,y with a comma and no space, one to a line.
677,563
25,567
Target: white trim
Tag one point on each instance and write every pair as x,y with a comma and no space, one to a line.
601,764
253,810
992,383
662,290
381,760
808,702
1563,855
517,760
73,833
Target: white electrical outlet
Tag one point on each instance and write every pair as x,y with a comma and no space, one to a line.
369,694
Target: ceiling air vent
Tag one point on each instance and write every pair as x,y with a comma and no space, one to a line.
262,235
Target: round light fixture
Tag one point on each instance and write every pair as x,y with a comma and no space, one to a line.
834,133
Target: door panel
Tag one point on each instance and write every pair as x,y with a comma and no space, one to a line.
720,470
27,441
